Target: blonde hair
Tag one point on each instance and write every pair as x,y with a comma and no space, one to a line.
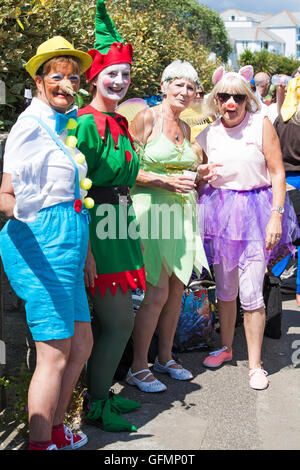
233,83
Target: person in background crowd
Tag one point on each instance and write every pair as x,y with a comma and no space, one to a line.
262,83
296,73
44,244
287,126
246,218
277,100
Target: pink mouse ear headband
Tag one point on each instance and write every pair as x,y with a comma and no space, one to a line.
245,72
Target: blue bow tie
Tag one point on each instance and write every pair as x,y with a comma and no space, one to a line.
61,120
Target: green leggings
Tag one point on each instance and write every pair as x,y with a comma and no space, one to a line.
112,326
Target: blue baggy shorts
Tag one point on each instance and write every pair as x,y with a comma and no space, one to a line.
44,263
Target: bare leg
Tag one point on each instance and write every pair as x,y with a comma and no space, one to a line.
59,363
146,321
168,320
227,319
254,324
45,387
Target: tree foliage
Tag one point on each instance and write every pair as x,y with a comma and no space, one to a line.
264,61
157,39
201,24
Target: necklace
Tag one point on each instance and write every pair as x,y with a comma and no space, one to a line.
179,147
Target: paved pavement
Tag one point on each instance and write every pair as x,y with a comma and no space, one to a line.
217,410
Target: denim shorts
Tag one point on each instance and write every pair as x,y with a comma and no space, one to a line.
44,263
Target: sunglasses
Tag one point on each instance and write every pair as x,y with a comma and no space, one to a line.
238,98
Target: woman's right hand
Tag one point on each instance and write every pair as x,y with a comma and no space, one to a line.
90,269
179,184
207,172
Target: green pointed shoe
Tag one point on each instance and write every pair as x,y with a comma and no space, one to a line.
121,404
102,415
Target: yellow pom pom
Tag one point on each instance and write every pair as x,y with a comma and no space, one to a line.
71,141
89,202
71,124
86,183
79,158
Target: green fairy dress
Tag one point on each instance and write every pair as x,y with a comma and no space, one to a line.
112,162
168,225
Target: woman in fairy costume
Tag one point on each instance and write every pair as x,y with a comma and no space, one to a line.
164,199
114,265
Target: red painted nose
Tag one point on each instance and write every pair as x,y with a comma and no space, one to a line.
230,105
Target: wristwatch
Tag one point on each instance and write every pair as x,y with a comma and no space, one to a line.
278,209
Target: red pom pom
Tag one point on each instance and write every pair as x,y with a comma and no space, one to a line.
77,205
128,156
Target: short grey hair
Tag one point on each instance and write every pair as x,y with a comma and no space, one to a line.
179,69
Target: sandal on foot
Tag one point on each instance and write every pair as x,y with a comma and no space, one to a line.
176,373
152,387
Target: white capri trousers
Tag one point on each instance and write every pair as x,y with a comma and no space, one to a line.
247,282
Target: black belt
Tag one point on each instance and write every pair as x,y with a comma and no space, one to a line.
110,195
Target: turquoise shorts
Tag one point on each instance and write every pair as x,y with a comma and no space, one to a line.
44,263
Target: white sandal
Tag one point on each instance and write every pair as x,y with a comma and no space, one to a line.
178,373
152,387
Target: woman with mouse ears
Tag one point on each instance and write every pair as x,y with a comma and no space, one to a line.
115,264
247,220
44,243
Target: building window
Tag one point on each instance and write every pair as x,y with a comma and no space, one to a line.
298,51
298,34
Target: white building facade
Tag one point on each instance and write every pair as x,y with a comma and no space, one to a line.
279,34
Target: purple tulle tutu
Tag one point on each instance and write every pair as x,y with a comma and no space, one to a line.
233,225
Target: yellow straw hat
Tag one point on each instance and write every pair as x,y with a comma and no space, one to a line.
54,47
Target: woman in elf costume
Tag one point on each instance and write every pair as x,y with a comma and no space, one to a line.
114,265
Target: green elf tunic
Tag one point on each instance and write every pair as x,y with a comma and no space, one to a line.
111,159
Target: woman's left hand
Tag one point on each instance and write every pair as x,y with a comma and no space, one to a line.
90,269
273,231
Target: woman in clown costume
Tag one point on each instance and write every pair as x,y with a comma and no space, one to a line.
114,265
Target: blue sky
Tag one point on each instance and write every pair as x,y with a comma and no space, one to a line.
256,6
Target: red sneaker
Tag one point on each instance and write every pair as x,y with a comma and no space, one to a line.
41,446
64,439
216,358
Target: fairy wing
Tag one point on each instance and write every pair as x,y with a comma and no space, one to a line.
130,108
197,117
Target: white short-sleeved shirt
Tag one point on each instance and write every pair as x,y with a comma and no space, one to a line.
28,139
239,150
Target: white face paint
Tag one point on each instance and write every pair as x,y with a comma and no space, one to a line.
113,81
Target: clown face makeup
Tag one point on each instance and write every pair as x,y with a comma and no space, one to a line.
113,82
